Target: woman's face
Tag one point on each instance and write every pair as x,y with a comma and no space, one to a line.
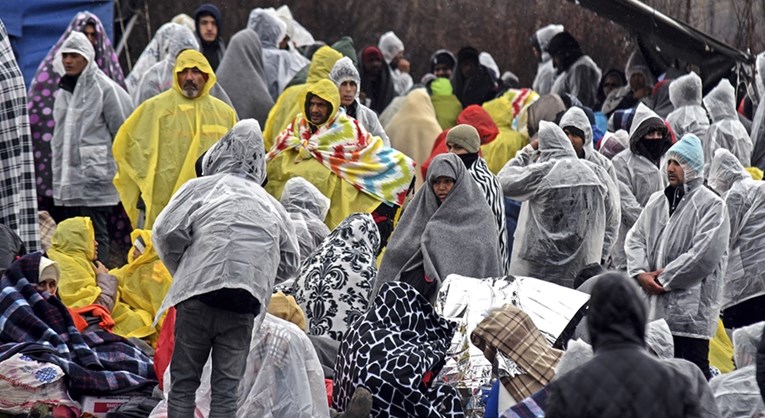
48,285
442,186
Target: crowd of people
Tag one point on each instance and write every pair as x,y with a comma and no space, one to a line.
299,218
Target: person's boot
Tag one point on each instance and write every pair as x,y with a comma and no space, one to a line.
360,405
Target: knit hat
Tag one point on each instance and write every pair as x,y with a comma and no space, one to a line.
689,154
464,136
370,52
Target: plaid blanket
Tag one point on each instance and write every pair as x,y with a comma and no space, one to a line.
18,194
39,325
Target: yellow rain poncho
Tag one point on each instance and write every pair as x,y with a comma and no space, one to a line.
73,248
348,165
287,106
143,281
157,147
503,110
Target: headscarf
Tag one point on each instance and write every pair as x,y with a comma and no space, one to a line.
334,282
393,350
41,97
18,194
345,148
242,75
444,238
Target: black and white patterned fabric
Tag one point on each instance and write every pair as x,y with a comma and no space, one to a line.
18,193
335,280
395,351
490,186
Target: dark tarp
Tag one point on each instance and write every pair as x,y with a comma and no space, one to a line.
668,43
34,26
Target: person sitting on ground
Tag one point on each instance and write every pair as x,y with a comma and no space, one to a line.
736,393
307,209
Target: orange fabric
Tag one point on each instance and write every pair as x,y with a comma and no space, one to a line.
79,321
473,115
98,311
165,345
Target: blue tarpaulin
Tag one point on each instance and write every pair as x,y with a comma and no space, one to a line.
34,26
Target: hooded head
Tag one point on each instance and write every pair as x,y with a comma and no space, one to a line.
617,313
344,70
327,91
300,194
449,166
576,120
485,59
553,143
76,43
477,117
182,39
644,122
689,153
726,170
208,9
270,28
685,91
541,39
637,65
38,270
391,46
321,64
75,237
190,59
239,152
721,102
441,87
745,342
445,61
345,47
564,50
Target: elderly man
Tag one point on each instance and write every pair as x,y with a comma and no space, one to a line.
226,242
570,214
345,75
208,21
88,111
338,156
157,147
677,251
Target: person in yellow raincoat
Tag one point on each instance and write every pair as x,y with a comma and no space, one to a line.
503,110
338,156
86,282
144,280
157,147
287,105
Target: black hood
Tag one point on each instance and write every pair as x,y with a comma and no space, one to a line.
617,313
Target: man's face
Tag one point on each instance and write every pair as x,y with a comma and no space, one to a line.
318,110
456,149
74,63
90,31
192,80
373,65
442,186
612,83
577,141
347,92
675,173
442,70
208,28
